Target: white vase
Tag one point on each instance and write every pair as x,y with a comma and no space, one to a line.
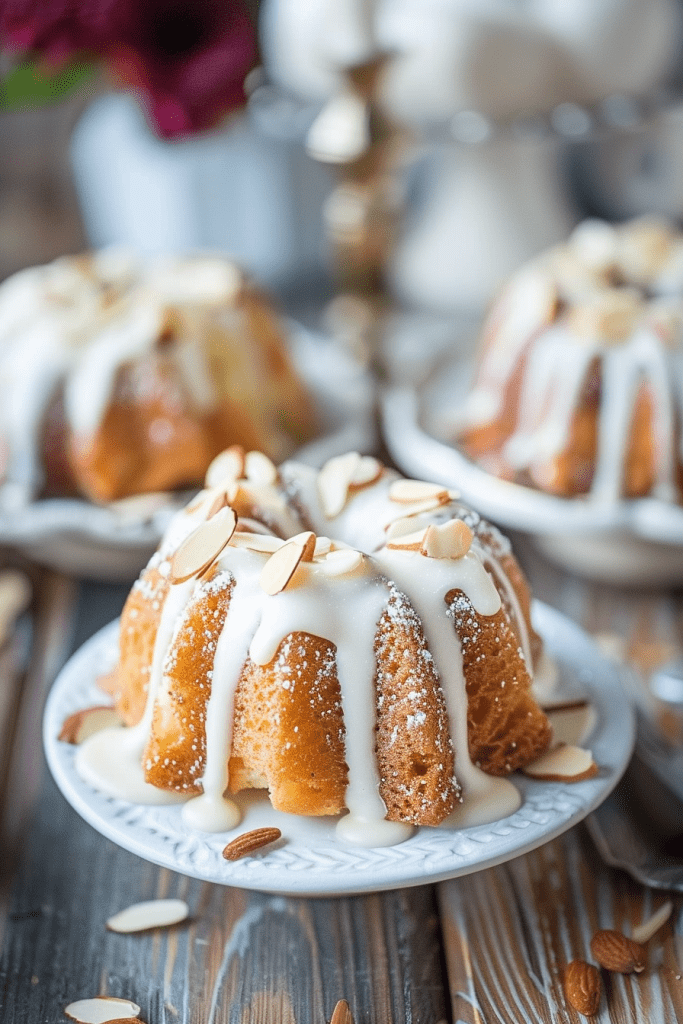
256,197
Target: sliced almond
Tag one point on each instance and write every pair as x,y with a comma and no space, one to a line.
140,917
342,1013
563,764
406,492
418,508
84,723
572,724
101,1009
280,567
203,546
399,527
408,541
322,546
215,503
255,542
259,468
109,683
451,540
368,470
643,932
140,506
339,563
333,482
229,465
307,539
608,315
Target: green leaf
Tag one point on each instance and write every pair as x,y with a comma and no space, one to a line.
31,84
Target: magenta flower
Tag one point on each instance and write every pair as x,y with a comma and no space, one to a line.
188,58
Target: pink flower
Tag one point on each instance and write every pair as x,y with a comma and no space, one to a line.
48,27
189,58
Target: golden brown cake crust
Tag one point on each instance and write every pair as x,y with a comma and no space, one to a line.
414,749
139,624
505,726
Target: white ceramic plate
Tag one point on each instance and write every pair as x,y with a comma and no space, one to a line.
114,542
634,541
308,860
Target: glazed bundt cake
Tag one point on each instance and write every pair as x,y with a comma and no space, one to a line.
344,638
578,388
119,377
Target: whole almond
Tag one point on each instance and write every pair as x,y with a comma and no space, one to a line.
582,987
615,952
248,842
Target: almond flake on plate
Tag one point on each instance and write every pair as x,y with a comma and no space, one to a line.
644,931
141,917
199,550
87,722
101,1009
563,764
227,466
572,723
280,567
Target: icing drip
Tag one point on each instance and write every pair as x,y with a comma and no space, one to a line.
485,798
513,602
555,373
643,359
112,760
345,611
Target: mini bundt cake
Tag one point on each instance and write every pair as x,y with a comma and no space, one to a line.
119,377
386,671
578,387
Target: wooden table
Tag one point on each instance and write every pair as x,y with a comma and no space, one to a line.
488,948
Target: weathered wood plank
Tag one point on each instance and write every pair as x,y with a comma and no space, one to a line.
243,957
510,931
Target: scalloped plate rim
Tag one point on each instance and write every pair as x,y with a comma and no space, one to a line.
327,867
514,505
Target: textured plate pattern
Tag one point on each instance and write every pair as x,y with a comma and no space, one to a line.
308,860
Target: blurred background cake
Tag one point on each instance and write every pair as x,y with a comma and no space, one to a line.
578,385
120,376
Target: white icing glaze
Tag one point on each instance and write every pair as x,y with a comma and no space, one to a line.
77,322
344,610
556,362
112,760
